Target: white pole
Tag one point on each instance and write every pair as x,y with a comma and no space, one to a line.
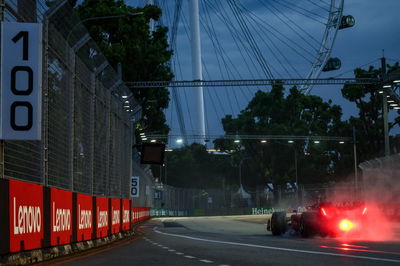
196,64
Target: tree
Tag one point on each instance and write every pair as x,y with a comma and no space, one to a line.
193,167
273,113
369,123
144,55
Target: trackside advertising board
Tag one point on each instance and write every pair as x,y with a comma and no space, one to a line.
34,217
134,214
26,216
115,206
60,217
102,216
84,216
126,204
21,81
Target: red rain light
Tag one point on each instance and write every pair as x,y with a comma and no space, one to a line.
323,211
346,225
364,211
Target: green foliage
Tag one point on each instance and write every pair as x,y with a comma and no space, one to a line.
144,55
369,123
273,113
193,167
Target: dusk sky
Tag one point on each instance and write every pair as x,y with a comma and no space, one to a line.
377,28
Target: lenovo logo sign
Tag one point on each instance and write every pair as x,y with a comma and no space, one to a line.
84,218
25,215
115,217
102,220
60,213
61,219
27,219
125,218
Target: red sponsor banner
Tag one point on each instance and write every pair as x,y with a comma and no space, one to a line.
84,217
125,214
140,214
102,216
60,217
26,216
133,215
146,213
115,206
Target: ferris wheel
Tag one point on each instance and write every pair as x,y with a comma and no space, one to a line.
256,39
336,21
273,39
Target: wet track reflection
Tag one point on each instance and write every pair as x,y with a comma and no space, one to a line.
239,240
348,247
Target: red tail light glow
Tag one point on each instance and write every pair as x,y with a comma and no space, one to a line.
346,225
364,211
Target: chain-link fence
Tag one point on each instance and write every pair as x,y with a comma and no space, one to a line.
87,112
147,187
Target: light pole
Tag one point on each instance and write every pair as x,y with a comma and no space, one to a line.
240,173
355,161
98,18
296,173
385,109
295,169
240,170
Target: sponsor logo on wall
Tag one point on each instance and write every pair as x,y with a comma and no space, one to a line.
27,218
102,220
84,218
61,219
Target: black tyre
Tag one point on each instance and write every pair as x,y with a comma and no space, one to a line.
323,233
278,223
308,227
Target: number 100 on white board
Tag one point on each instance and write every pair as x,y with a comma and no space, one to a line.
21,81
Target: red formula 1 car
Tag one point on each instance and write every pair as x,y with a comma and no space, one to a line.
323,219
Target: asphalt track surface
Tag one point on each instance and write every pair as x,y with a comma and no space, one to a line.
235,240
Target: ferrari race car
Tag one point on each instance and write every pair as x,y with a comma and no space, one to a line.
324,219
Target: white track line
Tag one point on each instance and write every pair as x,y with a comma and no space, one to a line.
278,248
206,261
180,253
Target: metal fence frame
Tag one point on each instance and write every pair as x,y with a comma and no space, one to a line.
87,126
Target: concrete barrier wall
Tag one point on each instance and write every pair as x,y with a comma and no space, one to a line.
35,217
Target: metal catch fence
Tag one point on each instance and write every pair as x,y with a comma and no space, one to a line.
87,112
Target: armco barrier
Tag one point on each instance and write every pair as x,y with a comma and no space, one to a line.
34,217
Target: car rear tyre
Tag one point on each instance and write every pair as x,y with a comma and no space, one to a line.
278,223
307,224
